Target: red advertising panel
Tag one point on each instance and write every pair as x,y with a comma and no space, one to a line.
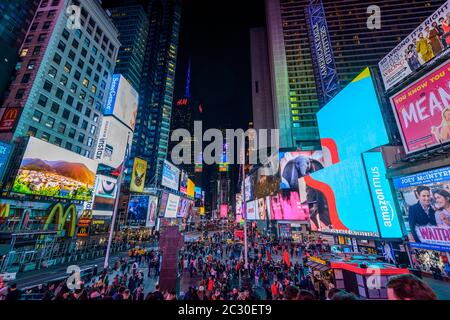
223,210
9,119
422,110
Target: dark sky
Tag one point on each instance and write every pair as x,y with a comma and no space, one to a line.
215,34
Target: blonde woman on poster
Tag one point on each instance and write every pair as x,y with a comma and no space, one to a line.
442,133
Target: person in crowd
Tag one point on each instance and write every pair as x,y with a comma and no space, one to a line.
344,295
409,287
14,294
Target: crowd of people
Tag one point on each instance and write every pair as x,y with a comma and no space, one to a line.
215,269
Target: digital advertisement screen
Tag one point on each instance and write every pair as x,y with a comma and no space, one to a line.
163,204
170,176
48,170
113,143
263,208
138,210
5,151
122,101
297,164
251,208
153,207
425,202
172,206
339,199
191,188
105,195
183,182
287,206
198,192
138,175
238,204
223,211
247,188
184,208
352,122
422,111
410,54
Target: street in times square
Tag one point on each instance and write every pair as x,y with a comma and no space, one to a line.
226,155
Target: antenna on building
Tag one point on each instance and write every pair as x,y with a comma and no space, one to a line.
188,81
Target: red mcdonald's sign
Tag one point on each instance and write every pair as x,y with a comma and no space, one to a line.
9,119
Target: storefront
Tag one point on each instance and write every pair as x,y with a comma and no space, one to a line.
321,272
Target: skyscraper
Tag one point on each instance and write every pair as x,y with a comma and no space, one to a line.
355,46
263,113
60,89
151,136
133,25
15,18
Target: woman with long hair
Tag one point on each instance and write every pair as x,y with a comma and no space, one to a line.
442,198
442,133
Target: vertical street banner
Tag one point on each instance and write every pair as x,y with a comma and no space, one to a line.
138,175
322,52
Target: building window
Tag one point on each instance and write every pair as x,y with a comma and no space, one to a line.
81,137
51,14
71,55
42,100
57,58
78,150
87,113
34,26
84,125
20,93
66,34
82,94
46,25
52,72
66,114
90,101
58,141
85,82
87,43
61,46
93,129
62,128
29,38
55,108
87,153
89,71
69,100
26,78
79,106
32,131
37,116
96,117
90,142
75,44
63,80
72,133
48,86
73,87
50,122
67,67
77,75
68,146
93,89
59,93
84,52
76,120
91,60
80,64
94,50
24,52
31,65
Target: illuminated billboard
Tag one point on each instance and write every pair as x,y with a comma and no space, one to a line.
223,211
429,40
429,190
138,175
105,195
422,110
297,164
122,101
352,122
114,142
184,208
342,198
191,188
138,210
163,204
251,210
151,217
48,170
198,192
184,182
263,208
172,206
170,176
5,151
238,204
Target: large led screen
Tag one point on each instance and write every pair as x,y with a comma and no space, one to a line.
105,195
425,202
172,206
422,110
297,164
352,122
184,208
48,170
138,210
170,176
251,208
122,101
163,204
340,199
429,40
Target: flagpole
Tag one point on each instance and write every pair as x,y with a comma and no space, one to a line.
116,207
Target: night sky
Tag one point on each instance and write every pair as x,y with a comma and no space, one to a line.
216,36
